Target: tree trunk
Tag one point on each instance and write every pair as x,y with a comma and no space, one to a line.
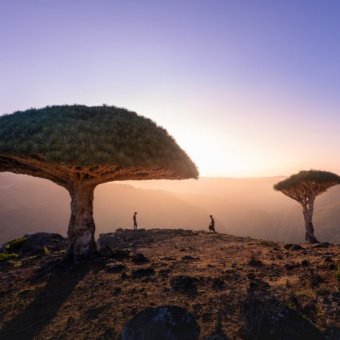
308,216
81,228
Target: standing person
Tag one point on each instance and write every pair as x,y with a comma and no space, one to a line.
212,224
135,220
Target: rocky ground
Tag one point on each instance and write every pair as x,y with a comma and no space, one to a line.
235,288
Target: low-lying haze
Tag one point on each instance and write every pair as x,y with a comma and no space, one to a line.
246,207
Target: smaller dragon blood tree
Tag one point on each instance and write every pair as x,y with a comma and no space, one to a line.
303,188
80,147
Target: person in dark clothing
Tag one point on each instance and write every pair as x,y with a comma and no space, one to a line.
212,224
135,220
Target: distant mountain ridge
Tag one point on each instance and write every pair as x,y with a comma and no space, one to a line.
245,207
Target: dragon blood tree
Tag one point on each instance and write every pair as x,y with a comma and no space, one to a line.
304,187
80,147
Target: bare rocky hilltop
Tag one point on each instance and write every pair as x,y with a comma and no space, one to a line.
230,287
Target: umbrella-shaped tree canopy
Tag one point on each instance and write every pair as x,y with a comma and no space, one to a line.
100,143
313,181
79,147
304,187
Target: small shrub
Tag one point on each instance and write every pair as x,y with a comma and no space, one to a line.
269,244
287,246
7,256
15,245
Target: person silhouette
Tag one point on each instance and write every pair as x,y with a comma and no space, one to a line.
212,224
135,220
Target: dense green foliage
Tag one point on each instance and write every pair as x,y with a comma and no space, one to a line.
316,176
87,136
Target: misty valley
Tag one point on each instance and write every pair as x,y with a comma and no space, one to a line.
244,207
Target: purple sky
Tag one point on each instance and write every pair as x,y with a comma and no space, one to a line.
247,88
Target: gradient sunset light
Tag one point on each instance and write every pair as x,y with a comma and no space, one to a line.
247,88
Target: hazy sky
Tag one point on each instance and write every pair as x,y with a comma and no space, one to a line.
246,87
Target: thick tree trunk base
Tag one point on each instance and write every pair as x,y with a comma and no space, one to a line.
308,209
81,245
81,242
310,238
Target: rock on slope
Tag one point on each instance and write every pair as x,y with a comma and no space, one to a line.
234,287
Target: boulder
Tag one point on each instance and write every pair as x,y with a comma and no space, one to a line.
33,244
124,238
119,254
115,267
165,322
142,272
328,259
184,284
291,266
305,263
255,263
217,284
296,247
189,258
293,247
139,258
